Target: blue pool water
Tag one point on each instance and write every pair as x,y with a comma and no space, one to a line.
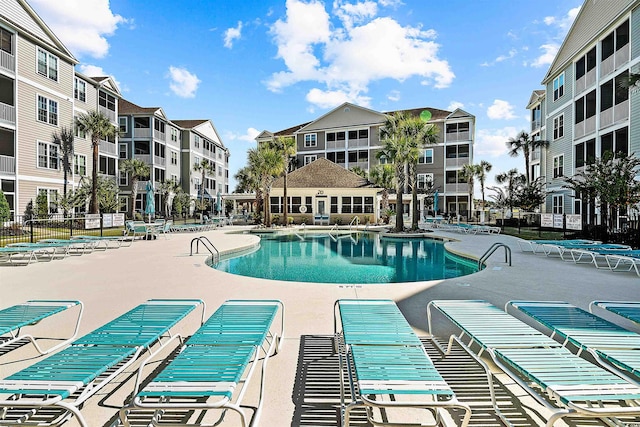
352,258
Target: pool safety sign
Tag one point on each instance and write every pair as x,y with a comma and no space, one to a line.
573,222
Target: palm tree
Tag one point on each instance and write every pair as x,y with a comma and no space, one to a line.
136,169
523,143
168,190
396,149
483,168
418,133
64,139
204,167
265,163
286,146
513,179
383,176
469,173
99,127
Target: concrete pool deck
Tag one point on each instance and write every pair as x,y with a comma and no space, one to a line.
113,281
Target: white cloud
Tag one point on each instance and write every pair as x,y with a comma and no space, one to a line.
183,83
394,96
232,34
333,98
453,105
549,52
82,25
340,56
493,142
500,110
95,71
249,136
564,22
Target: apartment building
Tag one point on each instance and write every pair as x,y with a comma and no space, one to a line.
349,136
583,110
201,141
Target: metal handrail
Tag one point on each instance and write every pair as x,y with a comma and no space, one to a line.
215,253
491,250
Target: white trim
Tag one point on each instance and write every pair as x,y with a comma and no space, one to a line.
48,156
43,88
49,54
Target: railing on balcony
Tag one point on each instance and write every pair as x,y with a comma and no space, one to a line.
7,61
108,147
456,162
363,165
621,111
361,142
586,81
111,115
333,145
535,155
453,187
142,132
536,125
7,113
457,136
7,164
585,127
607,66
160,136
622,56
144,157
160,161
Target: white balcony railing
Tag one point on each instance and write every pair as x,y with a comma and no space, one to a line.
144,157
457,136
142,132
363,165
456,188
160,136
7,164
535,155
586,81
108,147
361,142
7,113
332,145
621,111
7,61
160,161
606,118
111,115
536,125
607,66
622,56
585,127
456,162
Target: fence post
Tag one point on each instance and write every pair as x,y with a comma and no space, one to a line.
101,225
31,229
70,226
564,226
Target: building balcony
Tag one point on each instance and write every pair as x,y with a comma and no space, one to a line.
456,162
107,147
361,142
615,61
536,125
159,161
7,113
336,145
456,188
586,81
160,136
457,136
7,164
111,115
615,114
535,155
144,157
362,165
7,61
585,127
142,132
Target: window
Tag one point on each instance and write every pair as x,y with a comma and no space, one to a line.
174,134
79,133
107,101
310,140
52,198
80,90
334,205
337,157
356,204
122,122
196,183
158,174
558,126
558,166
47,155
159,126
6,41
174,158
80,164
558,204
196,141
123,203
174,178
196,160
123,179
615,142
309,159
47,64
558,87
122,151
427,156
47,110
425,181
107,166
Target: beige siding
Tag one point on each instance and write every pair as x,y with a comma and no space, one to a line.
27,68
29,191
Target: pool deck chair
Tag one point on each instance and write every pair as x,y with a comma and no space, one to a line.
52,390
13,319
213,368
610,345
564,383
391,368
630,310
19,255
536,246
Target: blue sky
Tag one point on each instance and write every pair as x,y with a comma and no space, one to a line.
271,64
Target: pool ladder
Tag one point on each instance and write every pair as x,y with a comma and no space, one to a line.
491,250
215,253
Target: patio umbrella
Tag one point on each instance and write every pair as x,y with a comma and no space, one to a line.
435,203
219,203
150,207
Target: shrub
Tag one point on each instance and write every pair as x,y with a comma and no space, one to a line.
5,212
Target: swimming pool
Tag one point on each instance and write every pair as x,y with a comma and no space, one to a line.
348,258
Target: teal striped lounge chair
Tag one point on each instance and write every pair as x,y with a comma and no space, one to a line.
391,368
566,384
110,242
608,343
21,255
213,368
536,246
17,317
51,391
630,310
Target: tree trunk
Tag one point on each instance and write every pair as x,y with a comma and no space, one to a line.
134,196
414,196
284,201
400,188
93,203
